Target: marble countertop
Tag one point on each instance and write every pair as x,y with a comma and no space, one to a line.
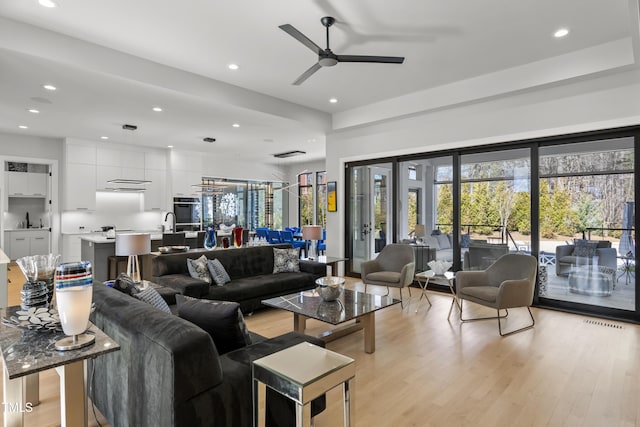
100,237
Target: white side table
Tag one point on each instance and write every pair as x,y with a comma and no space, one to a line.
302,373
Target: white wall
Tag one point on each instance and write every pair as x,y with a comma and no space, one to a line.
601,102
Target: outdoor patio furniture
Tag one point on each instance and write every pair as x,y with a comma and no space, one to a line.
567,259
587,280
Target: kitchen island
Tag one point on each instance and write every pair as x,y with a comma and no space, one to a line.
97,249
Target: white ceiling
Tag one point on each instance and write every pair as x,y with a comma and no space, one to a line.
113,60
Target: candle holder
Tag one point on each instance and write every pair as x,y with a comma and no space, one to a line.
74,286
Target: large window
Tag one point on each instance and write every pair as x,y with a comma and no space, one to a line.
587,236
321,199
248,204
305,198
567,200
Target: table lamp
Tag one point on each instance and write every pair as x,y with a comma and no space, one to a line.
132,245
74,291
312,233
419,232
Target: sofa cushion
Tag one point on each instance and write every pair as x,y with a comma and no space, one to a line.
261,287
223,320
443,241
584,248
153,298
217,272
198,269
124,284
286,260
384,276
432,242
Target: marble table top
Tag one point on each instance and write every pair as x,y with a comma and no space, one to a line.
26,352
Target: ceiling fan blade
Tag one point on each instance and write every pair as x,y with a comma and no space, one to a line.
291,30
304,76
365,58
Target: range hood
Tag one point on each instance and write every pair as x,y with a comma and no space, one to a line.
129,181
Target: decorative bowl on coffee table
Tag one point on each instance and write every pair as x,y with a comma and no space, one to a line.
330,288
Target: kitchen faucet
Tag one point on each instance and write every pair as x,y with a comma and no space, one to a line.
173,230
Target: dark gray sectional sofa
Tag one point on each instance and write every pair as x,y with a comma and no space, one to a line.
251,272
169,373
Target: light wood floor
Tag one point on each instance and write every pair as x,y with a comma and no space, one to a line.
569,370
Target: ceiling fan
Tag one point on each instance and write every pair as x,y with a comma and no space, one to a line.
326,58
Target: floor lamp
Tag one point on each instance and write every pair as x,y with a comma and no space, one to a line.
132,245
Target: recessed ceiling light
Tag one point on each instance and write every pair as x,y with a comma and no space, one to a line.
33,110
23,127
49,87
561,33
47,3
157,109
104,137
233,66
235,125
333,100
169,146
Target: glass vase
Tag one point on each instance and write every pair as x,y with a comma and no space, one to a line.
210,239
237,237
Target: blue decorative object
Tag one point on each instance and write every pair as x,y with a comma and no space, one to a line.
210,239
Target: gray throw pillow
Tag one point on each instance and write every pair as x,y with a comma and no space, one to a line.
218,273
584,248
286,260
222,320
152,297
198,268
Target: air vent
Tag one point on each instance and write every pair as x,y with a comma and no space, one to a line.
289,154
600,323
129,127
207,139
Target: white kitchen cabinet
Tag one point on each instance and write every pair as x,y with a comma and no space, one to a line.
182,183
26,184
80,187
39,243
25,243
155,195
71,248
119,165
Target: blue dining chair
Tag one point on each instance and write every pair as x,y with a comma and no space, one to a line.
273,237
287,237
262,232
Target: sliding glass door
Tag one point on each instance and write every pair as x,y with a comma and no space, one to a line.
587,234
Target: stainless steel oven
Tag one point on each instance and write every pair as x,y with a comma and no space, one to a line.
188,212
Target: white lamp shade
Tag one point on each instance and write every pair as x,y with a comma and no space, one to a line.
420,232
133,244
311,232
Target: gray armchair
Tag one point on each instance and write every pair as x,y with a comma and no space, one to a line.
507,283
394,267
566,260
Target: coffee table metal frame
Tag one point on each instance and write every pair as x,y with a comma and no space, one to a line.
351,305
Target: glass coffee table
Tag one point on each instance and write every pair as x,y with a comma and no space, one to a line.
354,306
